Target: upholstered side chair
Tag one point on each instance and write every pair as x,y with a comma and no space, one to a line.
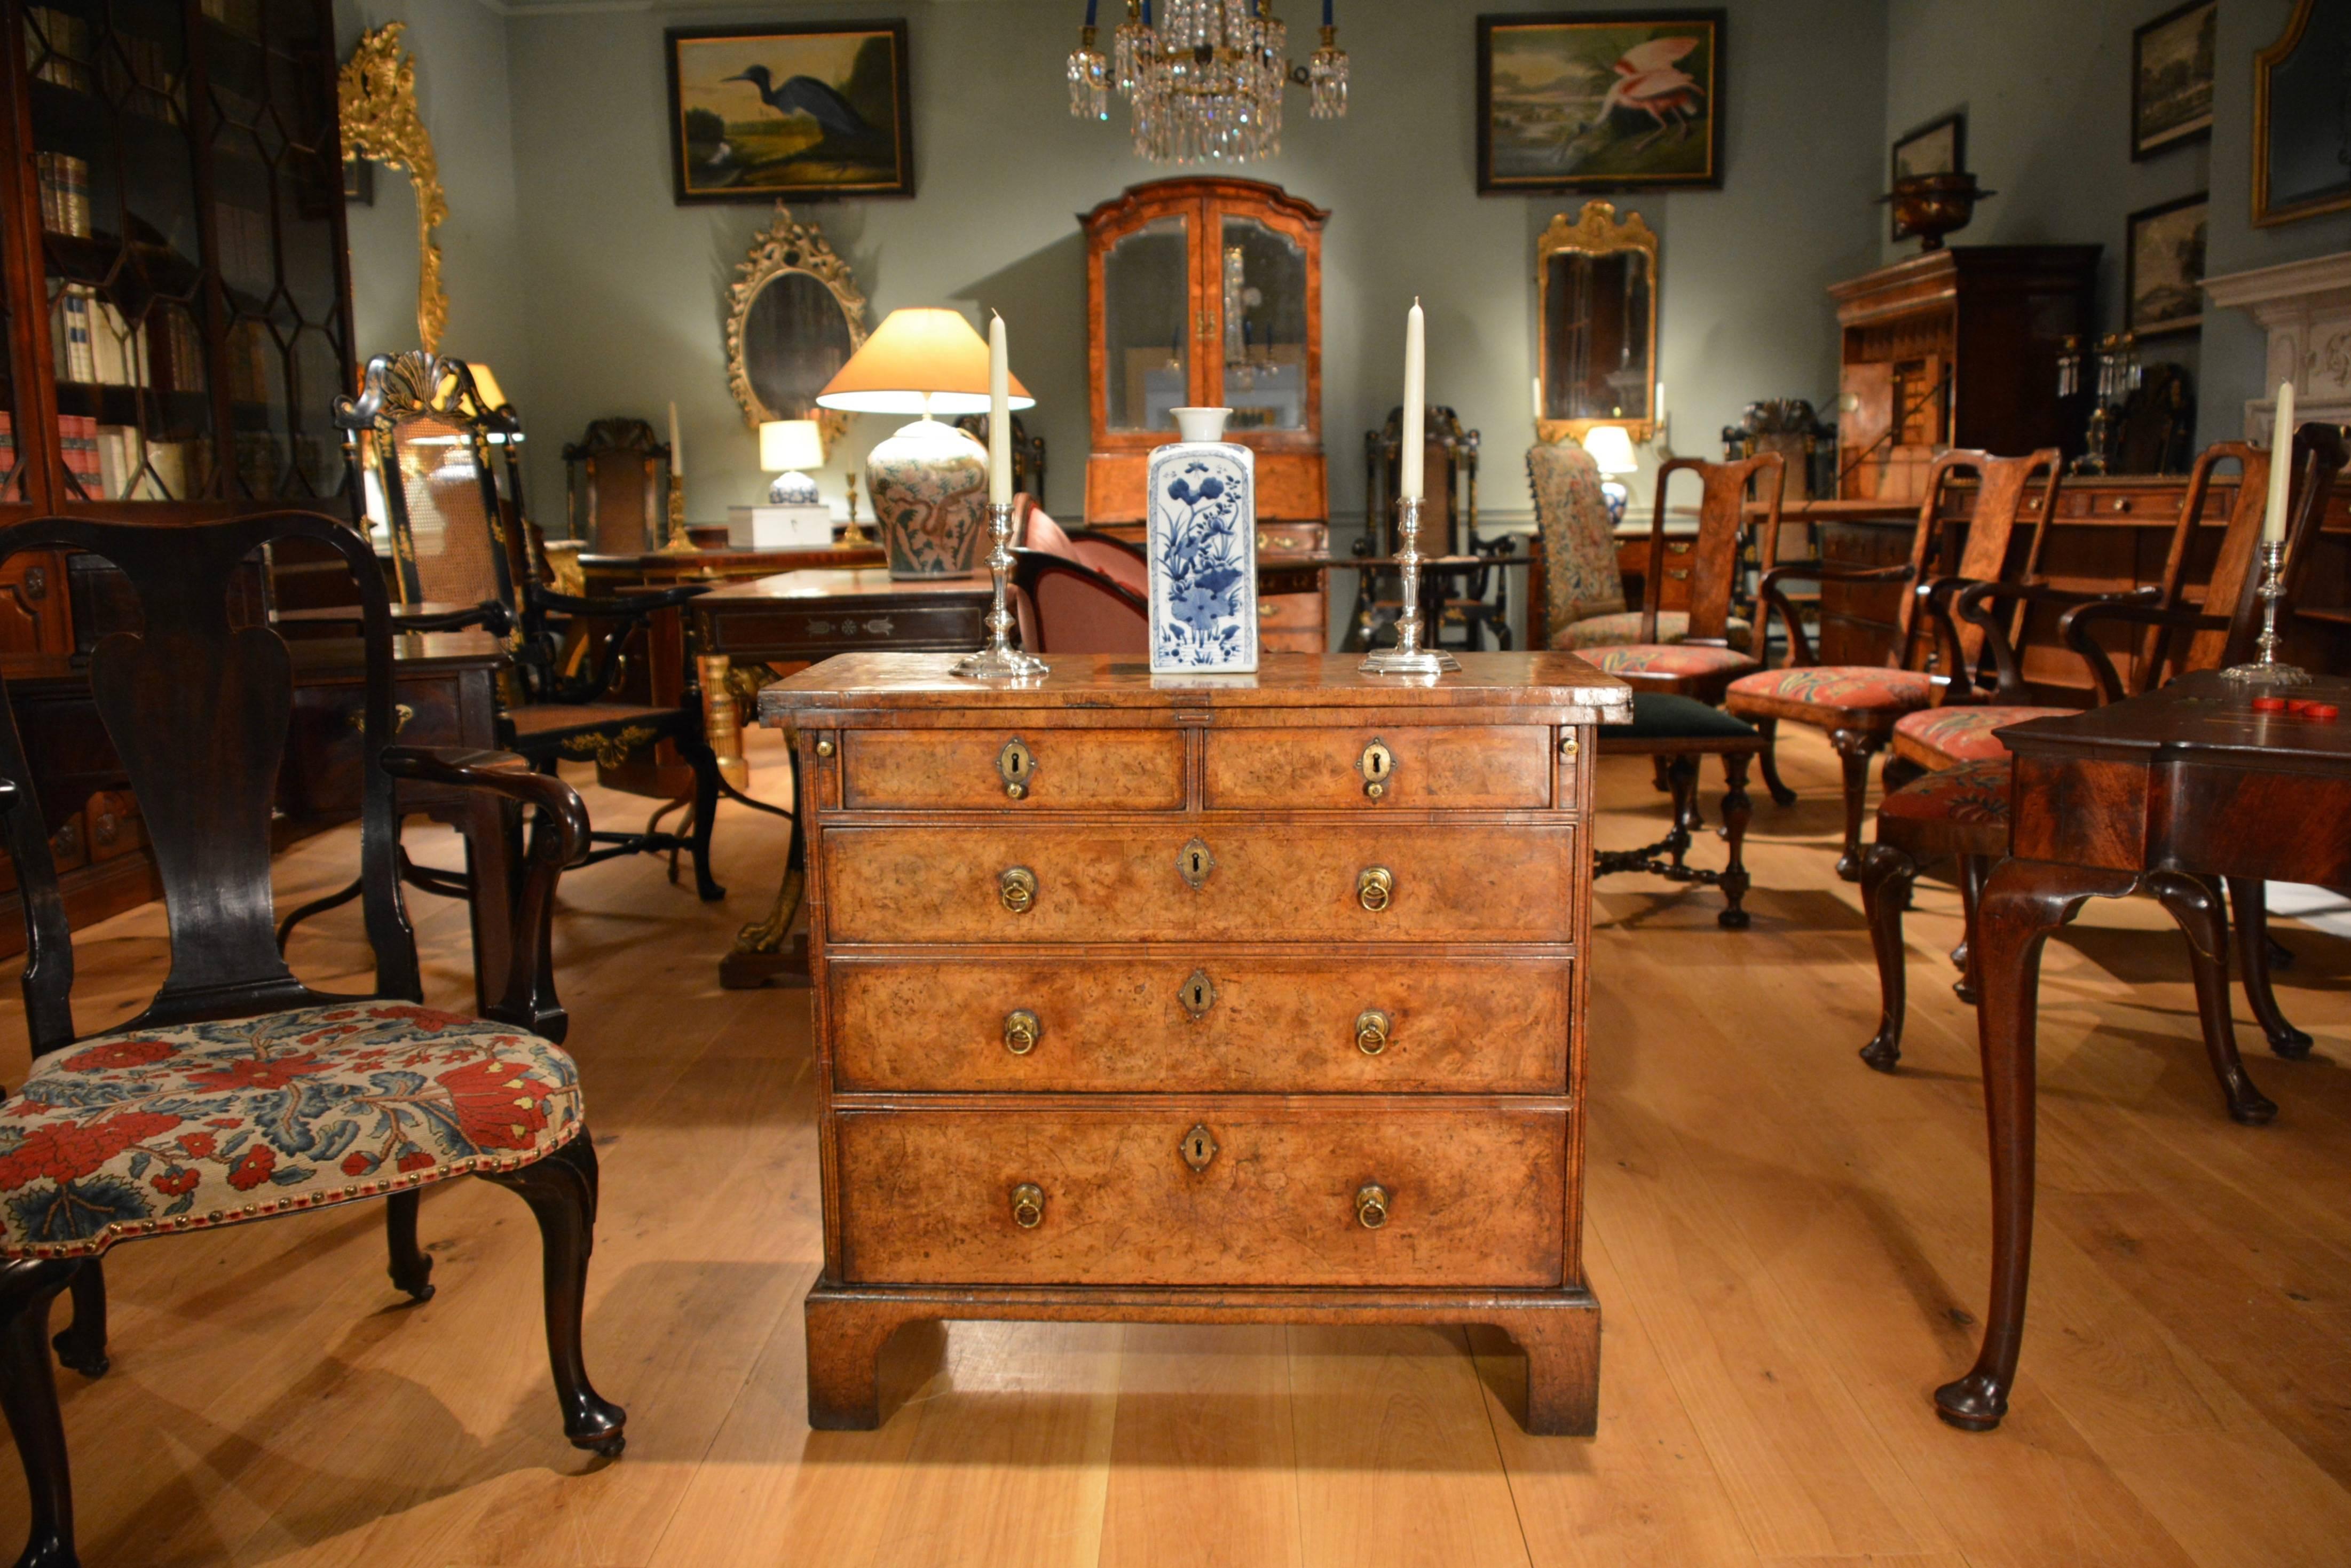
241,1094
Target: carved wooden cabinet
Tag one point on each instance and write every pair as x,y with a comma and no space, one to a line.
1206,293
1234,1001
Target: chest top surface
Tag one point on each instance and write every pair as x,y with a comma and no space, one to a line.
1530,688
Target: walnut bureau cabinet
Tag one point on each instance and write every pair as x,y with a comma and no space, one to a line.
1250,1000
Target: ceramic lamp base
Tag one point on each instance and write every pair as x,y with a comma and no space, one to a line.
793,488
929,485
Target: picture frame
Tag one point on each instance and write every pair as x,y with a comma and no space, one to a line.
2163,267
2299,101
798,112
1598,102
2172,79
1937,147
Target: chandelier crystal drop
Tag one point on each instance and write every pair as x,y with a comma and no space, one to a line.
1203,79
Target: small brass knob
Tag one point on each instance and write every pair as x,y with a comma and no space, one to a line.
1029,1205
1371,1028
1375,887
1568,746
1022,1030
824,748
1370,1205
1016,886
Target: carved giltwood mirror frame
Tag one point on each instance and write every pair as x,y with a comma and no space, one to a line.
1596,323
375,104
794,315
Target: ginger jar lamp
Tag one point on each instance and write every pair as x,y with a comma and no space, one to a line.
789,449
1612,454
928,481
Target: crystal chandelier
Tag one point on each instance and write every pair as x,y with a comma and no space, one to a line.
1205,80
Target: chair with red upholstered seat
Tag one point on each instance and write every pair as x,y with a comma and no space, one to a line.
1065,604
1961,812
241,1094
1859,704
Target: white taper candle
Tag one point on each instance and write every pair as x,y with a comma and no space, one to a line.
1416,395
2281,466
999,415
676,447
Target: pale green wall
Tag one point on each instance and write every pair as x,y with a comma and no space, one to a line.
625,286
2046,88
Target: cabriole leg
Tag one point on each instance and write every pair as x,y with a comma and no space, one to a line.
82,1344
561,1192
2249,899
28,1394
411,1268
2196,903
1887,874
1854,748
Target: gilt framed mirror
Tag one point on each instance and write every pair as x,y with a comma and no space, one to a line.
794,315
1596,323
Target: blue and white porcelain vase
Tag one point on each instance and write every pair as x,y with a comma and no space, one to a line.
1202,544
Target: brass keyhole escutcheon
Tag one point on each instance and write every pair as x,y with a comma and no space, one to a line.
1016,886
1199,1146
1374,887
1029,1205
1193,863
1377,764
1372,1205
1017,765
1022,1030
1371,1029
1199,993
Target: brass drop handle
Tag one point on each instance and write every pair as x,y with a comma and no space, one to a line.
1375,887
1029,1205
1016,886
824,748
1022,1030
1371,1028
1370,1205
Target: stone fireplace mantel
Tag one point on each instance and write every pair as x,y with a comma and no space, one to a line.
2306,307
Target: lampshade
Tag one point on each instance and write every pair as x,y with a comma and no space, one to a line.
1611,449
914,355
787,444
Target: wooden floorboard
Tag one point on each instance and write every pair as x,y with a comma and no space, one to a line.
1790,1252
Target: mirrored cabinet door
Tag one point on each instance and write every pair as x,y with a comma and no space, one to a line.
1261,288
1147,324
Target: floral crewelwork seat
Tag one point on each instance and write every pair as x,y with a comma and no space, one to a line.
1937,738
201,1124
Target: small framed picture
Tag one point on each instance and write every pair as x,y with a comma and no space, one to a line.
1598,100
789,113
1937,147
2163,267
2171,77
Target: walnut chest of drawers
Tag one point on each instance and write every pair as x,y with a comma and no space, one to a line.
1250,998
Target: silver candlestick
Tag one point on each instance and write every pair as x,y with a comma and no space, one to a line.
2265,670
999,661
1408,657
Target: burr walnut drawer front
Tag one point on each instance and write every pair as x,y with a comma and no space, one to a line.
1405,881
1040,770
1358,1192
1202,1023
1473,767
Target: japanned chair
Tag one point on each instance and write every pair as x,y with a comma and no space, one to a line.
454,548
1857,704
1961,812
613,487
241,1094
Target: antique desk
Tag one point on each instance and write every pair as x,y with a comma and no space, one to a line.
1250,998
797,617
2186,783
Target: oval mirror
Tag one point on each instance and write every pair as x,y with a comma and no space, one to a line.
794,318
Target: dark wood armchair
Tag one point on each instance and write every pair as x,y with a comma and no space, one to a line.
241,1094
1458,597
460,563
616,491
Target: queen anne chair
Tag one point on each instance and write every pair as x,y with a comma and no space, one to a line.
1858,704
241,1094
1961,812
1084,594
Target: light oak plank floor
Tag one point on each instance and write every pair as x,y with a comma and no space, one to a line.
1788,1249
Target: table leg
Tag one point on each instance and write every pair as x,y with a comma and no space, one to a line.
2022,902
2196,903
761,952
722,721
2249,898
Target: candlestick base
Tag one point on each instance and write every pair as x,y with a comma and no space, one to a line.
1407,662
2260,674
1000,664
999,661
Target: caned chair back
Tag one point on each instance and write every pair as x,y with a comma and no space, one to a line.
196,702
2003,490
617,496
430,432
1714,555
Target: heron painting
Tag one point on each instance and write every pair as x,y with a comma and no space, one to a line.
790,112
1600,101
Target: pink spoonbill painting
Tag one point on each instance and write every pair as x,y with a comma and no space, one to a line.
1600,101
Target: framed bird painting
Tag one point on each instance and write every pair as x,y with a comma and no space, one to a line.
797,113
1600,101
